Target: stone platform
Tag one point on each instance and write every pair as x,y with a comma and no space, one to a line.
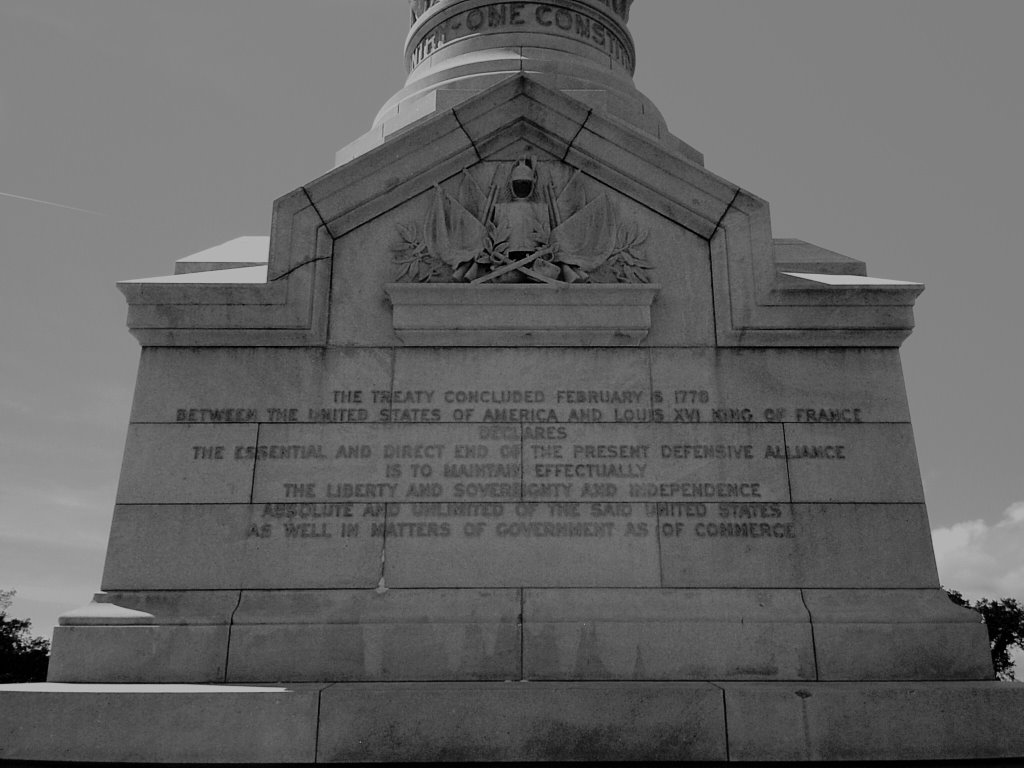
512,721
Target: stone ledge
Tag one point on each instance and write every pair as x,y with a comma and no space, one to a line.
461,722
521,315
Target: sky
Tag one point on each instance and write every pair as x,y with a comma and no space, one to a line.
136,132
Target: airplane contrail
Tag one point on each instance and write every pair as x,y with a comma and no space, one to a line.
55,205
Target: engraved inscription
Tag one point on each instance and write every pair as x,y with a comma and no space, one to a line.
530,17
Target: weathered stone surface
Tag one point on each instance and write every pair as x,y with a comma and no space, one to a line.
232,546
386,462
666,635
783,385
878,721
862,634
194,464
158,723
376,635
521,315
143,654
516,544
522,722
186,607
656,462
149,542
756,544
475,384
259,384
878,464
621,721
460,462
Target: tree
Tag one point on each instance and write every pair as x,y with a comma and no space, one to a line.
1004,620
23,658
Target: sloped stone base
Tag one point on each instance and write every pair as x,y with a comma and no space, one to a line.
456,722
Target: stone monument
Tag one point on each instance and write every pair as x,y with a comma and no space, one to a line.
522,439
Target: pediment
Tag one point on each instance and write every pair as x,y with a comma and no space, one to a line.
713,239
520,118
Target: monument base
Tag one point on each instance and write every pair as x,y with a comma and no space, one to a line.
514,721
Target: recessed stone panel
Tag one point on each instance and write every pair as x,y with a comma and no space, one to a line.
261,384
853,463
666,635
771,544
187,464
802,386
516,544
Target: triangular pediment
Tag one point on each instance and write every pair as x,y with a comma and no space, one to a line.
725,281
517,118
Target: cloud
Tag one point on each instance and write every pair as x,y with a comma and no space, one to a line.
983,560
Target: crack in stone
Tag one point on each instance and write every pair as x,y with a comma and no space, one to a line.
382,586
718,224
579,130
300,266
231,624
476,151
313,205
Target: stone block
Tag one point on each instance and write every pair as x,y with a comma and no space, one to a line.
782,385
778,545
142,654
285,546
517,544
149,543
862,634
310,546
666,635
853,463
196,463
258,384
458,722
376,635
877,721
158,723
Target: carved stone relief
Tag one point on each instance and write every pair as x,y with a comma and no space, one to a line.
521,222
